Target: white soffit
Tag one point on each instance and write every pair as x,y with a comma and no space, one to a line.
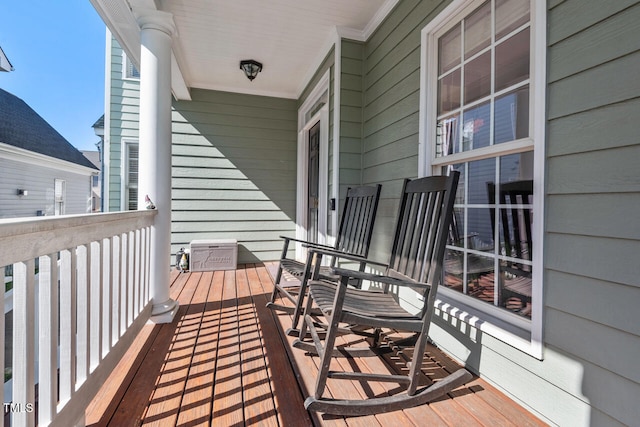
286,36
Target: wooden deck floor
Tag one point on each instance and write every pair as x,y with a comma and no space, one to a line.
225,361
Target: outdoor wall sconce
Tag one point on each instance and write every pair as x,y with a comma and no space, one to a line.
22,192
251,68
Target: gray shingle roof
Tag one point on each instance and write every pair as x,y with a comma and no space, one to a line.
22,127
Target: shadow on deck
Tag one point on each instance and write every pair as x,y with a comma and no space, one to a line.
225,361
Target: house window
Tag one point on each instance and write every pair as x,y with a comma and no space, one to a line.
483,115
60,195
130,71
130,171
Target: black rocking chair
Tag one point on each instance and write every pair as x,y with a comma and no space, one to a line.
416,262
354,237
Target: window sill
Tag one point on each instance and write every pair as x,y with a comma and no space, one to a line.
506,327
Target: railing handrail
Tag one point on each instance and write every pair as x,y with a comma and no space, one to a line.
44,235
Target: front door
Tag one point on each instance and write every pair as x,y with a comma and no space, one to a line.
313,189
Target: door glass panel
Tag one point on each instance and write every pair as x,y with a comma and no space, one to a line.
314,182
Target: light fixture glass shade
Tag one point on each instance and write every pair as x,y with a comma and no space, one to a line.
251,68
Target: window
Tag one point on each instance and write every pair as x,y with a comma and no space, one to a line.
59,190
483,115
130,71
130,171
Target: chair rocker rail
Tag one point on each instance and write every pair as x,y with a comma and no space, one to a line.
349,407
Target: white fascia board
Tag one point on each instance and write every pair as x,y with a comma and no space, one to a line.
10,152
120,20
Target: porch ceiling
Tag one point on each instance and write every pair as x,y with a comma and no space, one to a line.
289,37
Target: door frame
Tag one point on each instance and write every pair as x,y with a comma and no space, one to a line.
315,109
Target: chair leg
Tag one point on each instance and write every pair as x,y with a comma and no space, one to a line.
309,273
276,283
416,363
285,249
330,338
307,311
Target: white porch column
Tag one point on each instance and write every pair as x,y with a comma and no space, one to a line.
154,177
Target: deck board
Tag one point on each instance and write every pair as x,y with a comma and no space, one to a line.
226,361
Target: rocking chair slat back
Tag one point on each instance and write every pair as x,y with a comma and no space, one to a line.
420,226
354,235
354,238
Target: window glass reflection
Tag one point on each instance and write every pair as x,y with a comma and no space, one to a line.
477,78
480,172
449,92
477,30
512,60
511,116
449,50
476,127
448,139
510,14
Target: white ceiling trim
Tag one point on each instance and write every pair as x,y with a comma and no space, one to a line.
329,43
246,91
377,19
346,33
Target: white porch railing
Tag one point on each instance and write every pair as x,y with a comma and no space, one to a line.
75,316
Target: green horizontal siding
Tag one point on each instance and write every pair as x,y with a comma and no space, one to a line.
234,171
124,109
592,188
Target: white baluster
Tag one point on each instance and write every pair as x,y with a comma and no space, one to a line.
48,337
24,344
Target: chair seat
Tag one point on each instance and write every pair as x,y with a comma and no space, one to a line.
360,302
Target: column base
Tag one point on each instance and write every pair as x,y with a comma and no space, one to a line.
164,312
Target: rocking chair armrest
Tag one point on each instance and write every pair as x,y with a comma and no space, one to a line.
306,243
380,278
343,255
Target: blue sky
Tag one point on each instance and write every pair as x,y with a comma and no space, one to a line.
57,49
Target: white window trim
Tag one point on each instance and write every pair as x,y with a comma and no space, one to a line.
124,171
522,334
59,203
125,61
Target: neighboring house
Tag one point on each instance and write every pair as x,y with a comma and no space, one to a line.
120,127
5,65
500,90
41,173
96,180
